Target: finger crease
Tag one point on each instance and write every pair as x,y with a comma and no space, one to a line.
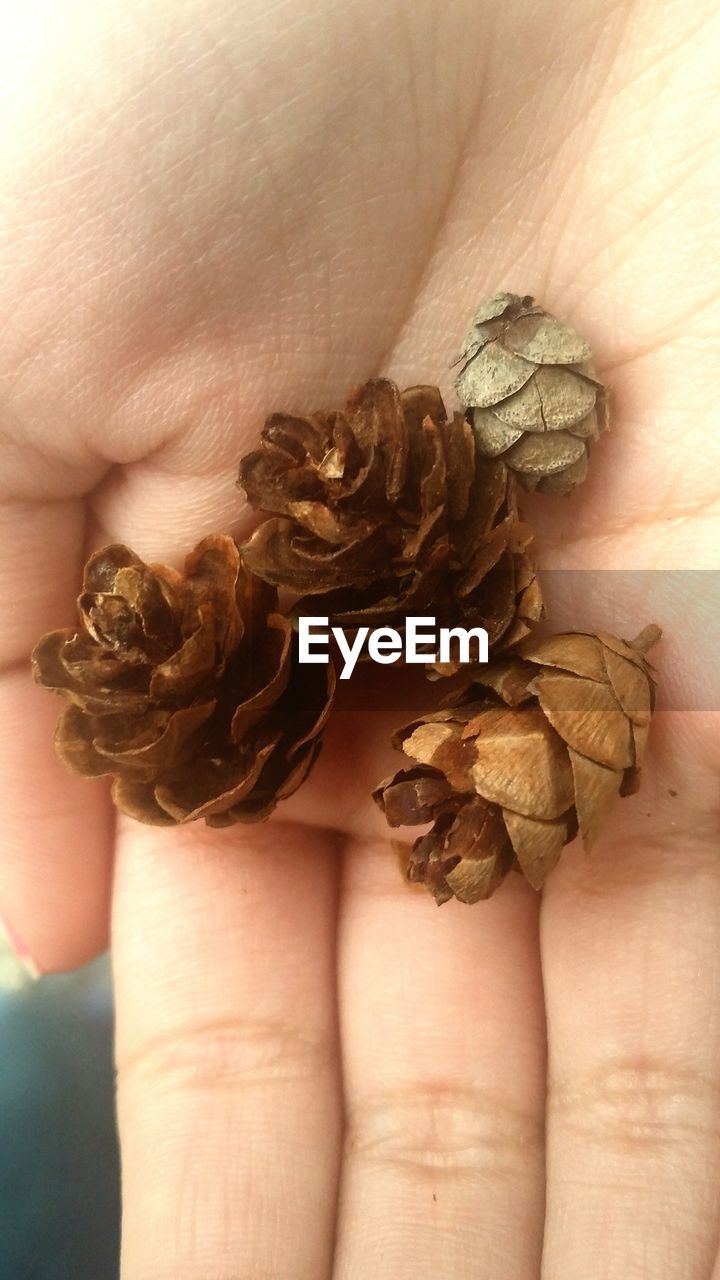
445,1129
638,1105
227,1054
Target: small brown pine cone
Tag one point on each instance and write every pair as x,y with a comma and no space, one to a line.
531,393
185,687
384,509
539,747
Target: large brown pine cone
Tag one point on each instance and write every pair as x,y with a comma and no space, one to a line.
531,393
185,687
385,508
539,748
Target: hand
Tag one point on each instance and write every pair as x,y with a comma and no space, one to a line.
213,211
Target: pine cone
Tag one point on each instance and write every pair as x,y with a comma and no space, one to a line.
539,747
531,393
185,687
386,509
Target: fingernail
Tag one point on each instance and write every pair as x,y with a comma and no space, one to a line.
20,948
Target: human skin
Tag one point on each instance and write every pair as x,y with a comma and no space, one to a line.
213,210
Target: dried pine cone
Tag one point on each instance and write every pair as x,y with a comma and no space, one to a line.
540,747
531,393
385,509
185,687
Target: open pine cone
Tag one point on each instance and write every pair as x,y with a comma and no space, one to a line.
531,393
185,687
538,748
385,509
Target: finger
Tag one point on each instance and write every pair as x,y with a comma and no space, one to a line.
55,862
632,969
443,1035
228,1091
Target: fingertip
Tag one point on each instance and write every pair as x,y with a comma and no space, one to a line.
56,854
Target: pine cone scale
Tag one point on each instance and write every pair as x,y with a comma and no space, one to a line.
137,800
493,374
280,555
312,711
183,674
520,762
74,745
578,653
541,338
630,687
103,568
137,744
98,684
459,444
555,399
535,455
213,574
211,786
273,676
588,717
537,843
412,795
596,789
493,437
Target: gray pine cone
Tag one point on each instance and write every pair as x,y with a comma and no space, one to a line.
531,393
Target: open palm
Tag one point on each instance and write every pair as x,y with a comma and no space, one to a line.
216,210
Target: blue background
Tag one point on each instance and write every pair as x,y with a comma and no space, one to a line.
59,1179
